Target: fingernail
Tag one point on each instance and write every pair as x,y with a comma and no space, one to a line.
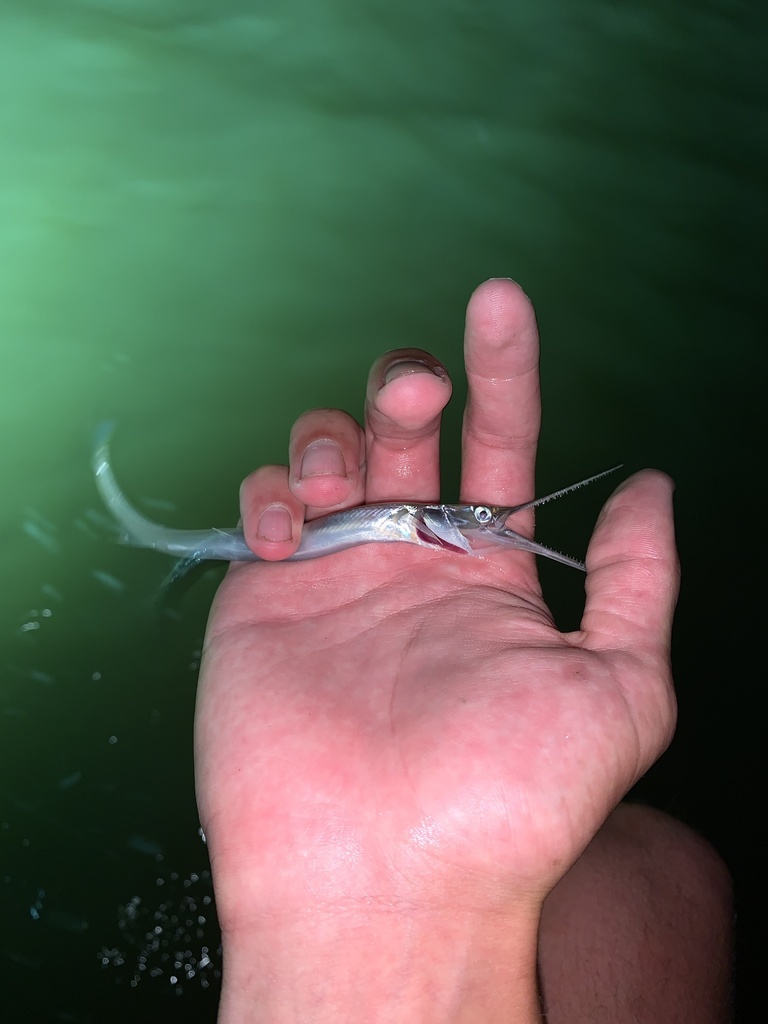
275,523
322,458
406,366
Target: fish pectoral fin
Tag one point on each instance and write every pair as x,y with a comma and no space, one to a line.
434,528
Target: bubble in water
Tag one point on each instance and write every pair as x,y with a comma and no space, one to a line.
176,943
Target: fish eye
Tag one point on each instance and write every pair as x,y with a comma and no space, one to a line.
483,514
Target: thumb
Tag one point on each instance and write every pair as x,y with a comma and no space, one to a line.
633,572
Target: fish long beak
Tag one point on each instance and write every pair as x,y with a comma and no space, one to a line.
504,537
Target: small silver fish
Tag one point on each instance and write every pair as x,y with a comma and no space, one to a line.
471,529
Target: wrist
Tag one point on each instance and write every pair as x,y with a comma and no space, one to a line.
373,965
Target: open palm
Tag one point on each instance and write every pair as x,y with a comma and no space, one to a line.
392,721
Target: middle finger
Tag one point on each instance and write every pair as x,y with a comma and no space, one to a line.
407,392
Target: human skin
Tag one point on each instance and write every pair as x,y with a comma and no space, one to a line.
398,754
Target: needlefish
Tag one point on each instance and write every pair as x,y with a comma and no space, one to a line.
468,528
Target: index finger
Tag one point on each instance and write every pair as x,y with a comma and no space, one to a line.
503,411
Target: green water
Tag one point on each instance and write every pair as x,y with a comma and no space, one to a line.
216,215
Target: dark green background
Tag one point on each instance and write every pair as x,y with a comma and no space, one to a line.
215,215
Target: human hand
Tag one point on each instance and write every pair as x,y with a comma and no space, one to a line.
396,743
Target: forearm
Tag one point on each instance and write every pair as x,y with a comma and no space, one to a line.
421,968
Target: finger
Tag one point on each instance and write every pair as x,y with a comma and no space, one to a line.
407,392
503,411
633,572
327,460
271,514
